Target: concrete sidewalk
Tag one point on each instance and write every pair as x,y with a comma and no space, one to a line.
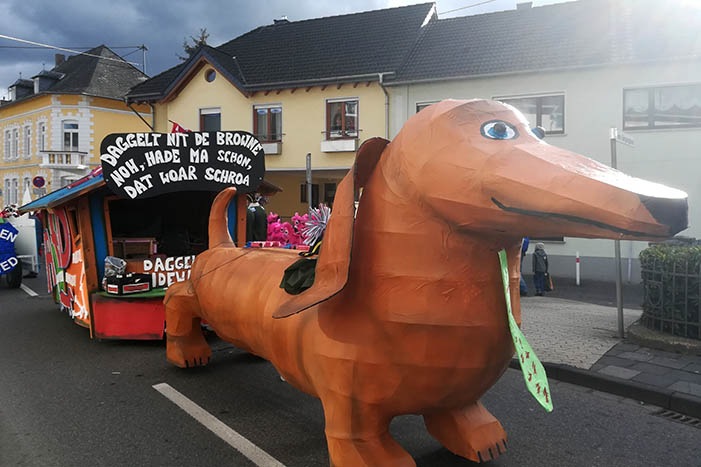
577,342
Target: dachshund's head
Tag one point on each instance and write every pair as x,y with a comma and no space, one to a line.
480,166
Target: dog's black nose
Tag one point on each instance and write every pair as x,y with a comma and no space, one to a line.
672,212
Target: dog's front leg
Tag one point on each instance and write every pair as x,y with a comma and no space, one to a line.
470,432
357,434
185,344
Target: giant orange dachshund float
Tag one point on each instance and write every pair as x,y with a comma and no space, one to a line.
407,313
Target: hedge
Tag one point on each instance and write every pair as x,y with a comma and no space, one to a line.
671,274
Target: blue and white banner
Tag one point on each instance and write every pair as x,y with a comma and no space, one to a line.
8,259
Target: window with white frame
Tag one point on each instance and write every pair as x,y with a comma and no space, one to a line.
42,136
26,185
341,118
546,111
70,136
11,187
8,145
422,105
15,191
15,143
267,123
662,107
210,119
27,141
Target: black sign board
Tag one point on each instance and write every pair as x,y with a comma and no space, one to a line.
143,165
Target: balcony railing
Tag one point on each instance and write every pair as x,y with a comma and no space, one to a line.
64,159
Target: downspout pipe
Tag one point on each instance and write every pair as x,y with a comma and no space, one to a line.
153,117
381,80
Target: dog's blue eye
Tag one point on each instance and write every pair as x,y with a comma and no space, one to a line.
499,129
539,132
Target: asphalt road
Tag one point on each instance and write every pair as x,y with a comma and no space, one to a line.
68,401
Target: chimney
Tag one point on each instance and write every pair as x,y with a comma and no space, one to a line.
282,20
524,6
60,58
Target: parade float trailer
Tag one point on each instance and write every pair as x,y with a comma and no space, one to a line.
148,204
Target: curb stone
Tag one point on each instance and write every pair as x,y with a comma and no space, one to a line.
686,404
639,334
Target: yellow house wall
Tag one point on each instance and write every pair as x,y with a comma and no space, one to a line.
18,115
119,105
303,128
10,111
303,116
105,123
288,201
115,118
69,99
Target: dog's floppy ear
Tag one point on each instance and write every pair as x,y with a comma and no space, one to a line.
333,265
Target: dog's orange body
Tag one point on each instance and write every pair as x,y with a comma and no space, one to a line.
407,312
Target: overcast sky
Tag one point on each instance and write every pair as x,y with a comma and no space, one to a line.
162,25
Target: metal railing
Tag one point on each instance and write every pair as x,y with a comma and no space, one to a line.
64,159
672,298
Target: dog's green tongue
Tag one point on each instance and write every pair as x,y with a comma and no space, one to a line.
533,371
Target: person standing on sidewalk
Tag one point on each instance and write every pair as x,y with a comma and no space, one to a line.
522,286
540,268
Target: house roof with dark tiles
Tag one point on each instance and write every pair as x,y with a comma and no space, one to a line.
27,83
560,36
89,74
298,53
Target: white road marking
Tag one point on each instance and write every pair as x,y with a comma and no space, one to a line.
231,437
29,291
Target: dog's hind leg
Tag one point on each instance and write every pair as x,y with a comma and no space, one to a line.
471,432
185,344
357,435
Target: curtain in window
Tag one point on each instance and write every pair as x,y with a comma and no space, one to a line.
27,141
351,128
262,124
553,114
637,103
8,141
269,124
336,119
528,107
276,124
679,105
15,143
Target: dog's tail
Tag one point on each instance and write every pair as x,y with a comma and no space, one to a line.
219,219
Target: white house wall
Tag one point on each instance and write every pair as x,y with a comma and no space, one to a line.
593,104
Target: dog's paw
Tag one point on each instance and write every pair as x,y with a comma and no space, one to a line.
492,453
181,352
193,362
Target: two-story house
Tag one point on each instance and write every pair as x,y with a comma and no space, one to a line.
578,69
302,87
52,125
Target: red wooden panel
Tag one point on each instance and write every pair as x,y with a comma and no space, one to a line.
124,318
